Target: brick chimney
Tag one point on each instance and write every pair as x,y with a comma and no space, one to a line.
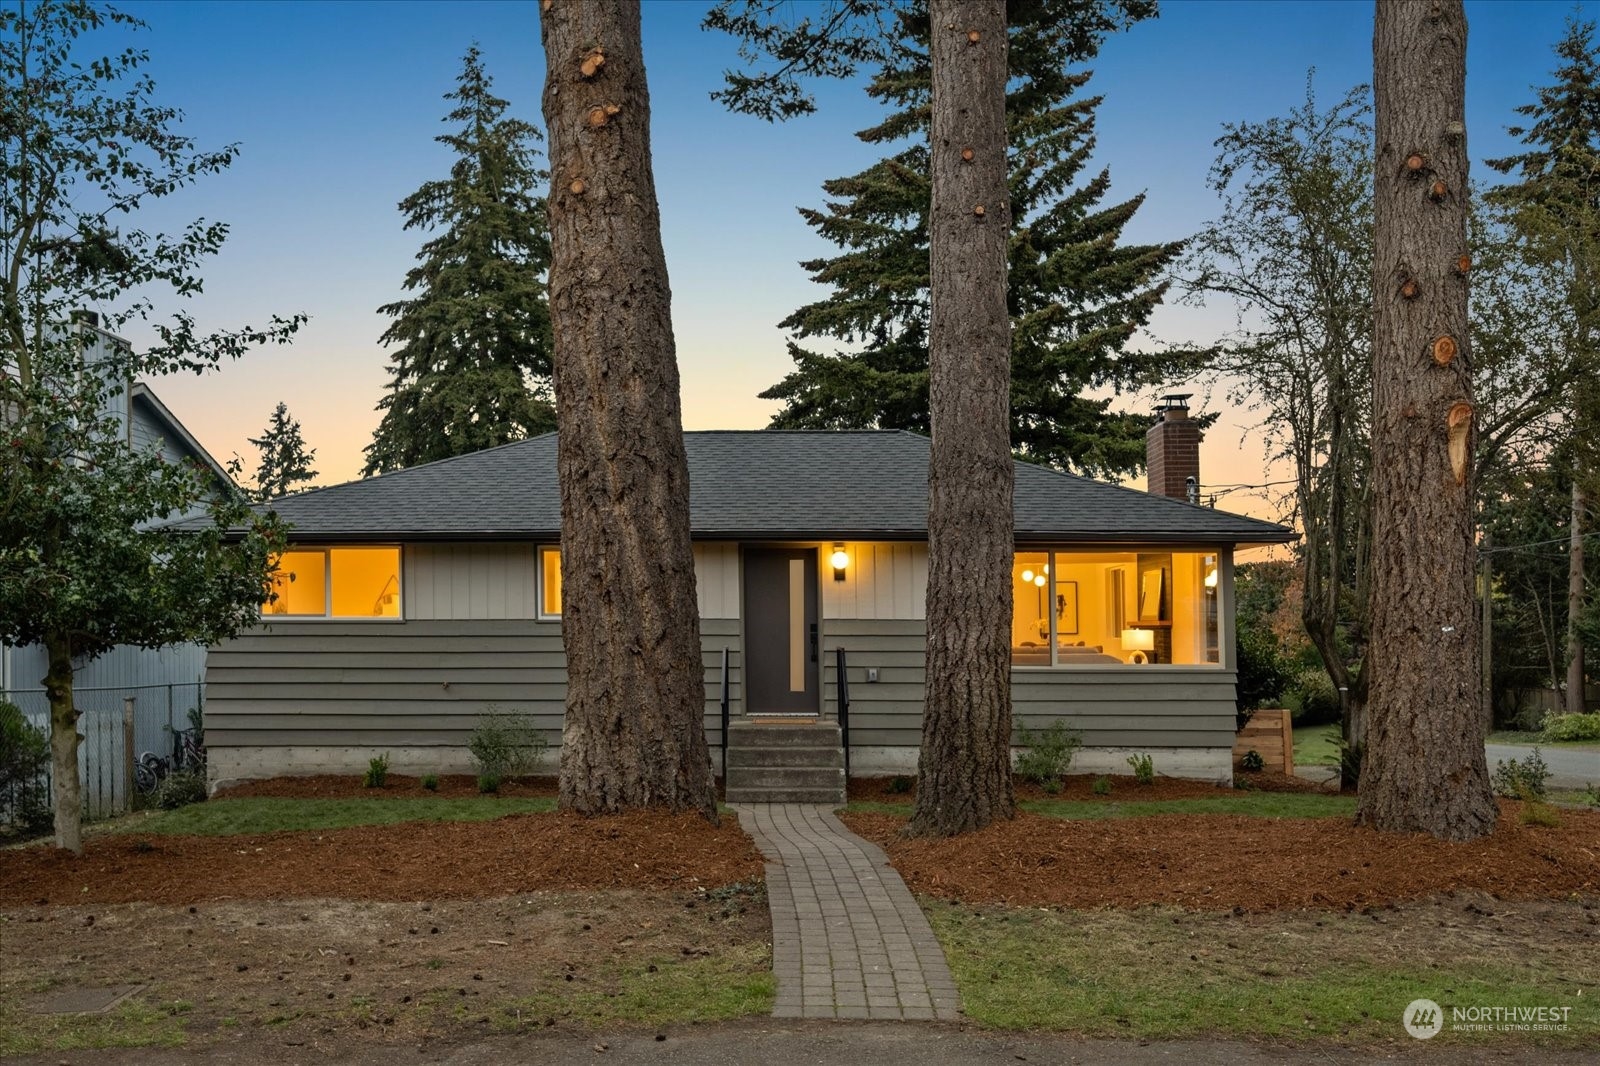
1172,450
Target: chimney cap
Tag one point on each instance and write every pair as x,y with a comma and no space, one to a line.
1174,401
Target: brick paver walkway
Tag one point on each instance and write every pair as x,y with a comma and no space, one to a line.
848,939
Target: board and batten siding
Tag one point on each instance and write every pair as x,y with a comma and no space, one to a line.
365,688
500,580
882,581
1111,706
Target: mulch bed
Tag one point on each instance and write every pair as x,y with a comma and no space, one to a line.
1124,788
397,786
416,861
1218,862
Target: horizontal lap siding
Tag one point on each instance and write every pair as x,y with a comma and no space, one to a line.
419,683
1115,707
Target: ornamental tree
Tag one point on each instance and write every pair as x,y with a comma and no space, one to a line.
90,556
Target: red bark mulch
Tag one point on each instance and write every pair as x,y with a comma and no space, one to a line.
1124,788
1222,862
414,861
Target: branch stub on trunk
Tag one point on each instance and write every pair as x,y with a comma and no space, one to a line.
1444,350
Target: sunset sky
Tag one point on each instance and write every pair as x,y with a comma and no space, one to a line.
335,106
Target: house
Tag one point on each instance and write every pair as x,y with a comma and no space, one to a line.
413,602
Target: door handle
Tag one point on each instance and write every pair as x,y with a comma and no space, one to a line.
813,630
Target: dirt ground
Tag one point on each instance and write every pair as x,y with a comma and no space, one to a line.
1220,862
396,786
293,972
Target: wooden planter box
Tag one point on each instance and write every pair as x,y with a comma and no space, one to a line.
1271,734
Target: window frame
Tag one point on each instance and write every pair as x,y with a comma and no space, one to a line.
538,581
1224,566
327,615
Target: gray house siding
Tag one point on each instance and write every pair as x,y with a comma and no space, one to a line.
326,696
1116,708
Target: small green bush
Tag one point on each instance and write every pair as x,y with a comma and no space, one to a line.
377,771
1521,779
1540,814
488,783
1252,762
1101,786
1312,699
1591,795
24,758
180,788
1559,727
901,784
1046,755
506,745
1350,763
430,782
1144,769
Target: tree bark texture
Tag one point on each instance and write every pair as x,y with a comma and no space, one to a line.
1424,767
633,735
66,791
1575,563
964,780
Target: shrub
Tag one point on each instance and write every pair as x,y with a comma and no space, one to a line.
1101,786
1144,769
1350,763
1312,699
1558,727
377,771
1046,755
505,745
1540,814
488,783
1591,795
1524,779
180,788
430,782
1252,762
24,759
901,784
1264,672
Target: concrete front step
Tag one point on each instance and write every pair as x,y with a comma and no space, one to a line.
740,777
763,735
771,794
826,756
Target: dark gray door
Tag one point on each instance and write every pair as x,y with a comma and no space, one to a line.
780,631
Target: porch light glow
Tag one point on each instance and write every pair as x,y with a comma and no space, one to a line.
840,560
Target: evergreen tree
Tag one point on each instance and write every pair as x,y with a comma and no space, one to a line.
285,459
1076,295
472,366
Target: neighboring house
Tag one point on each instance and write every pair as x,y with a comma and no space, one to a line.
413,602
103,682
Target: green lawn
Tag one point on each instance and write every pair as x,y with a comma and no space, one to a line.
1160,973
1255,804
1317,745
227,817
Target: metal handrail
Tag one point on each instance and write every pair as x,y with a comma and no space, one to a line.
724,719
843,682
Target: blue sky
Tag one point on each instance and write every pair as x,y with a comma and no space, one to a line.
335,106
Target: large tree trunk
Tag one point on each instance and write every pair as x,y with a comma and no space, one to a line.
1424,766
1575,685
635,686
964,780
66,791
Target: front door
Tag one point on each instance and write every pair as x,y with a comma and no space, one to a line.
780,631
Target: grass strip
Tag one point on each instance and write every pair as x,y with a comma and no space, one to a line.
231,817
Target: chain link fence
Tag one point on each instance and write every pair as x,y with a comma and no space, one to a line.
117,726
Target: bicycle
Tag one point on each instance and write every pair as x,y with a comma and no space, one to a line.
150,769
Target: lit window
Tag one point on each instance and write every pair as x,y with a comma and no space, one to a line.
1090,608
336,583
550,583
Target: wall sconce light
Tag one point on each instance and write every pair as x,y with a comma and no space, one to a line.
840,560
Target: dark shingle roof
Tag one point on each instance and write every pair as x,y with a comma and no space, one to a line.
750,485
